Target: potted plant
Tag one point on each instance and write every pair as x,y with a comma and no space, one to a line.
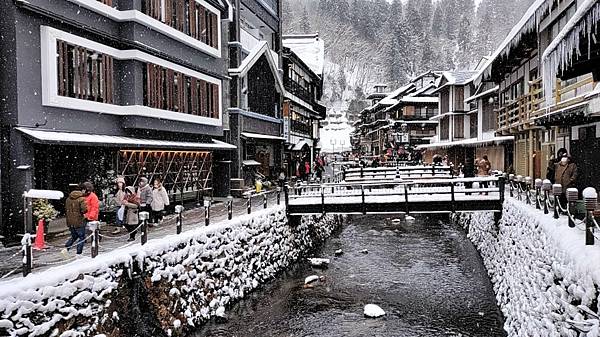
43,210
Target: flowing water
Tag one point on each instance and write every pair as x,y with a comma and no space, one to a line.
424,273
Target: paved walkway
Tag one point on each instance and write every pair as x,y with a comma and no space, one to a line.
11,258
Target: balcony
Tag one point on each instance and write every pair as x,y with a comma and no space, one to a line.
298,91
518,114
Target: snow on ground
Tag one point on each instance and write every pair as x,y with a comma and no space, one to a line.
202,270
545,279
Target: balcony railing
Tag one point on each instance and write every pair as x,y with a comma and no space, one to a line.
299,91
520,112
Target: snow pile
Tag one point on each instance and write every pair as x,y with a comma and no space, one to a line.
544,277
373,311
191,277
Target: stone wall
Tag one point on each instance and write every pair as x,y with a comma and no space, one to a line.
545,279
164,288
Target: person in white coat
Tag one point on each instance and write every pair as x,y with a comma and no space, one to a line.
160,199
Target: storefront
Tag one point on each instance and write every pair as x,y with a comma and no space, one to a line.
187,169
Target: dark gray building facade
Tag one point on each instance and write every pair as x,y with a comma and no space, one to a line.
92,90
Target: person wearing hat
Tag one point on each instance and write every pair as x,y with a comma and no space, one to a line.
144,193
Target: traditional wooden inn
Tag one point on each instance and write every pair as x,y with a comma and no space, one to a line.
257,90
96,89
303,60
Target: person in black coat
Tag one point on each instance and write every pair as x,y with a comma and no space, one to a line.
551,170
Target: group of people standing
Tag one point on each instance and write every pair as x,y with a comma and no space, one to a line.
83,206
145,199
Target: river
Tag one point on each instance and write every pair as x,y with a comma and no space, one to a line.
424,273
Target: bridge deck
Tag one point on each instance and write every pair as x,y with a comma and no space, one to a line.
417,196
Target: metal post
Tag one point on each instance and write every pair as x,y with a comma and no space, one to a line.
453,198
538,188
362,192
27,254
144,218
546,188
590,199
229,207
265,200
278,196
572,195
511,177
249,203
179,212
286,194
406,200
502,189
95,237
556,191
528,190
207,212
362,174
323,200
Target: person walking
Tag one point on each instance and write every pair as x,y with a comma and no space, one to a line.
145,194
307,170
118,201
160,199
483,170
75,210
566,175
92,202
132,207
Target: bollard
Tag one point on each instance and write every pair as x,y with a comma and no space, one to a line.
556,192
249,204
572,195
519,180
286,194
27,254
229,207
144,219
94,227
590,199
538,189
546,188
278,196
265,200
206,212
511,187
179,212
528,183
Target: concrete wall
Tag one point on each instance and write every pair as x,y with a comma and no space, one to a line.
168,288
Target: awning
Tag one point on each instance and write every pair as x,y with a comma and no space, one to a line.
261,136
301,144
72,138
482,94
251,163
566,115
467,143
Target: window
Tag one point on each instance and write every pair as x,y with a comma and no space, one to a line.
84,73
187,16
445,128
169,90
459,126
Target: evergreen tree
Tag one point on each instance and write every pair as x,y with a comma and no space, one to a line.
436,23
305,23
426,14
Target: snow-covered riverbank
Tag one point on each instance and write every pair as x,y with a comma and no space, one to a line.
163,287
545,279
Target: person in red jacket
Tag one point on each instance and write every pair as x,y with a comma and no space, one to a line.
92,202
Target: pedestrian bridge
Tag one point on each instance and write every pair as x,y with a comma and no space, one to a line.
398,195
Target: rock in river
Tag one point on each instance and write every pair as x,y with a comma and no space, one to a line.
311,279
318,262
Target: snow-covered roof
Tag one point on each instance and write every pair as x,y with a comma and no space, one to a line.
309,48
458,77
482,94
58,137
392,98
417,99
559,53
468,143
262,48
528,22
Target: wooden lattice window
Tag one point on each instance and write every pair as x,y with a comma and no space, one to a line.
180,171
169,90
187,16
84,73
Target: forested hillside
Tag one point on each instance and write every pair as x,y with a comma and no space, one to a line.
374,41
